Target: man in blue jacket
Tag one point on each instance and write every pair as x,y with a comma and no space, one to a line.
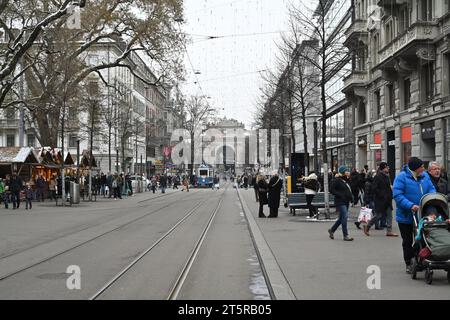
409,188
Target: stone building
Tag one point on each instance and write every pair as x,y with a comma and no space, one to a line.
399,87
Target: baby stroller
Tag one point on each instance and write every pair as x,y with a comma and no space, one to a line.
433,248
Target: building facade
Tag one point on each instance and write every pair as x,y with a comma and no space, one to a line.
399,88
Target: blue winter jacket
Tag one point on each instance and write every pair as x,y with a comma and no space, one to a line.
408,192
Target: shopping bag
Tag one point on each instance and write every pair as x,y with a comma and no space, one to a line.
365,215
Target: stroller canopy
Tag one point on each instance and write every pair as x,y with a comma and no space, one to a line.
437,200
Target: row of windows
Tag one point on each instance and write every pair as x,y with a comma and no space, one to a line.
11,140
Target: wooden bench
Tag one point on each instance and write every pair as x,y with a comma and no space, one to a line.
298,201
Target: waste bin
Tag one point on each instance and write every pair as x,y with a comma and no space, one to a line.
75,192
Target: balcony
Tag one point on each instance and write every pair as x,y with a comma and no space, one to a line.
9,124
355,83
356,33
413,43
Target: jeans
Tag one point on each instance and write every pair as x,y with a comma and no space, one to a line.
163,190
4,197
343,217
16,199
28,203
378,217
407,232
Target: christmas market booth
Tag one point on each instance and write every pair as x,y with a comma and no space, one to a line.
24,161
51,159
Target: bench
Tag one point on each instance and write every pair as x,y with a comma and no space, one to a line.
298,201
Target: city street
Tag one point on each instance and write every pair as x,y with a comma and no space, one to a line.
104,240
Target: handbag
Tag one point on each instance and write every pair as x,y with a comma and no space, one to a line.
365,215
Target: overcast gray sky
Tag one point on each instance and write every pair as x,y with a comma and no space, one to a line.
229,65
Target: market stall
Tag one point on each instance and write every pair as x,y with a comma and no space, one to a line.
21,160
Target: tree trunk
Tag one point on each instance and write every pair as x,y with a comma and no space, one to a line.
305,139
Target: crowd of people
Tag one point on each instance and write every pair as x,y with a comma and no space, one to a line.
14,190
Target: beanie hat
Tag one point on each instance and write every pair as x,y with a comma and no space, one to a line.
342,169
383,165
415,163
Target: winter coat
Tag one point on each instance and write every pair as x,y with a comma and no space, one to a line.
382,192
354,181
312,186
163,182
441,185
263,188
341,191
408,192
29,194
275,185
40,183
15,184
368,190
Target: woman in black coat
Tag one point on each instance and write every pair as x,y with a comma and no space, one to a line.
262,188
275,185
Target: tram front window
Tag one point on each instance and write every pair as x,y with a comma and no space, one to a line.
204,173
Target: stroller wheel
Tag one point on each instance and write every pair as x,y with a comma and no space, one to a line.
414,266
429,276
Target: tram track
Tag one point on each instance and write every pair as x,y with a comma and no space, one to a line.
182,275
103,234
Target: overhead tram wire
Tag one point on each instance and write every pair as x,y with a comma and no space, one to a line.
195,72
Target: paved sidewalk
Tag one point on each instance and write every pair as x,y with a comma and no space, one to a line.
316,267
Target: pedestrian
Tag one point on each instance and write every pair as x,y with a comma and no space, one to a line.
15,185
185,184
28,197
262,188
436,177
362,185
216,182
368,195
382,198
354,185
109,181
3,193
103,185
163,183
275,185
40,184
154,184
115,186
255,186
52,188
343,196
409,188
312,186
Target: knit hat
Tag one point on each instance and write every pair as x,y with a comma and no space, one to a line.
415,163
383,165
342,169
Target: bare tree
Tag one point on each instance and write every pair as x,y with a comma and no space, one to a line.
57,62
328,56
197,111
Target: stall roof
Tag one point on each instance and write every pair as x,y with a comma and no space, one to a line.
18,155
